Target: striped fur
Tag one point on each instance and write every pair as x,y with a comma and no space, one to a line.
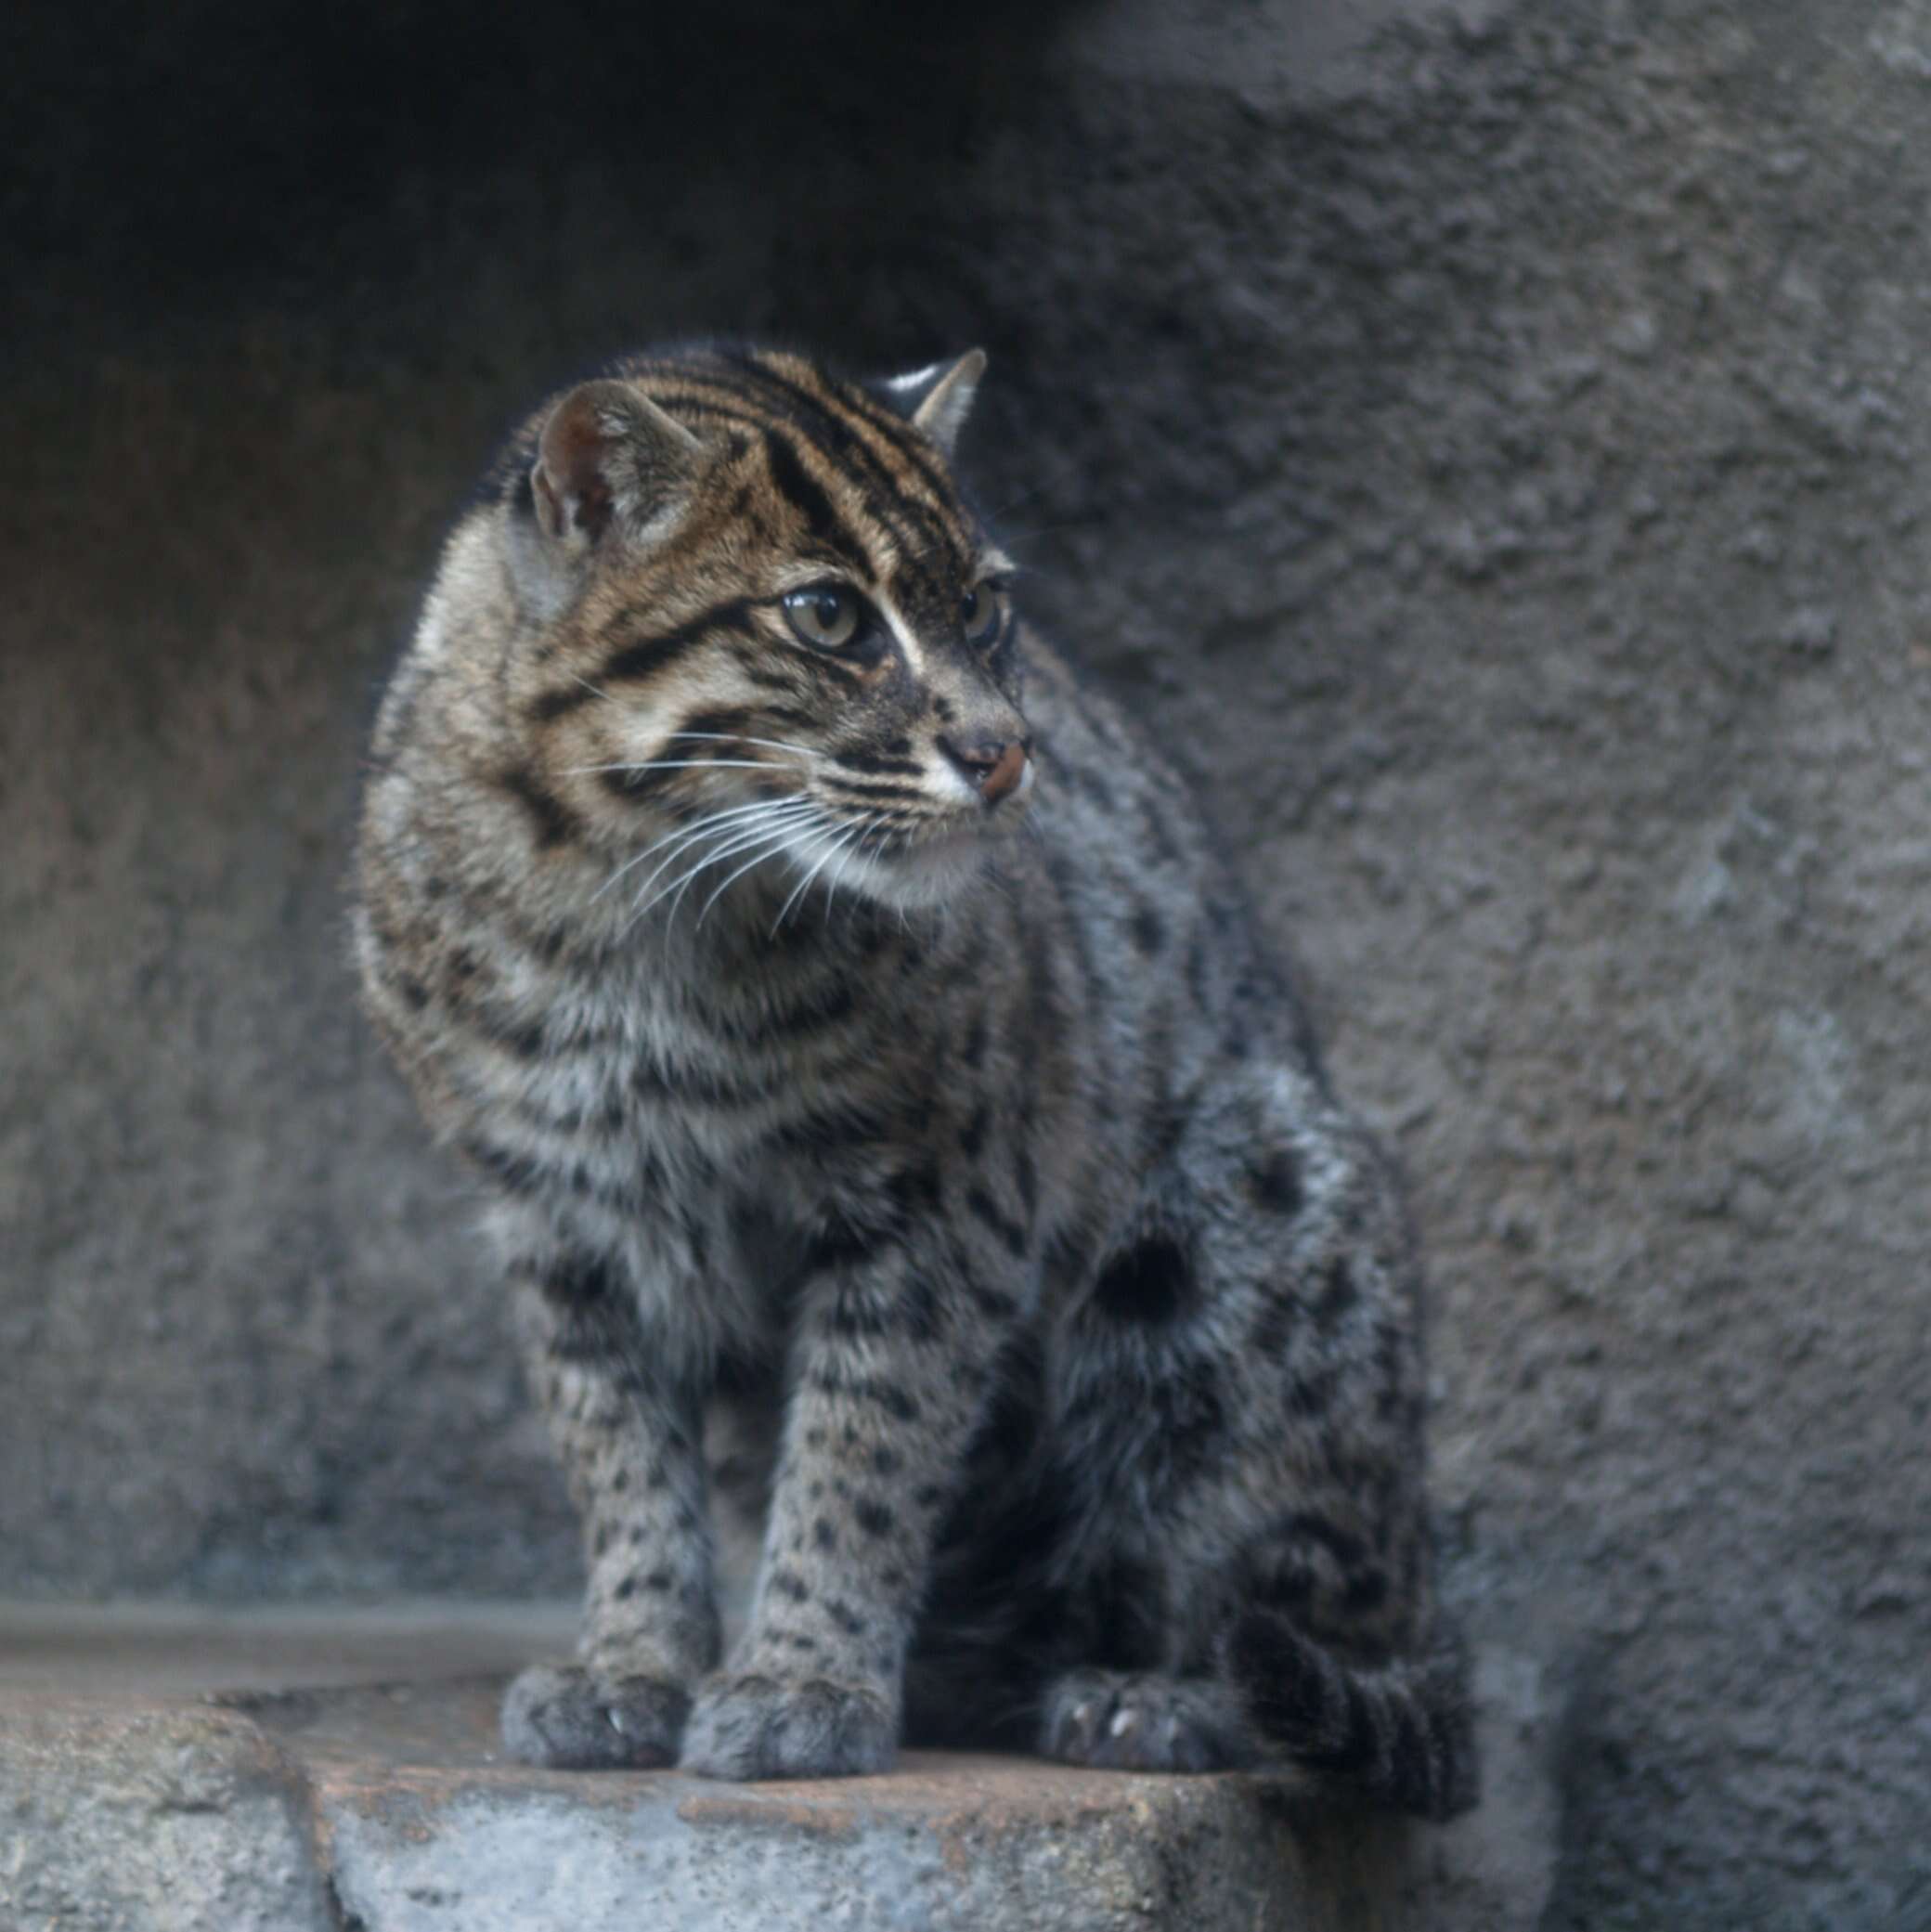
894,1134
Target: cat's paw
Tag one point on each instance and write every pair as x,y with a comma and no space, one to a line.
745,1725
1143,1723
558,1716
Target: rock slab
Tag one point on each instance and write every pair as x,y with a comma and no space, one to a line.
153,1818
388,1807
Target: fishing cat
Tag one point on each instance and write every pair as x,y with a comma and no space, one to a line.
893,1128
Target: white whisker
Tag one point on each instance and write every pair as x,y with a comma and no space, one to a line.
685,834
791,809
739,738
797,890
679,765
711,819
791,816
756,858
857,832
764,836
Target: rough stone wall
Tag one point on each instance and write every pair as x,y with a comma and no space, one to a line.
1494,454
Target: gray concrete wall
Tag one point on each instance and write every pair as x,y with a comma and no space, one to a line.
1496,454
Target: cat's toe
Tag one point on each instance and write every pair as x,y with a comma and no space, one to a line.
743,1725
1151,1723
1079,1708
560,1716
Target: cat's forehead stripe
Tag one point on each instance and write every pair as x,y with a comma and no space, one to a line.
870,452
911,444
794,483
881,501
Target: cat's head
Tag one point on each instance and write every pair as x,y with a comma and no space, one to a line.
760,623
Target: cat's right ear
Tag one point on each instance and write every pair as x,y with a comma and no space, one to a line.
610,465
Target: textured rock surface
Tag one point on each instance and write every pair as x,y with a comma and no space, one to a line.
943,1843
136,1795
1497,457
156,1819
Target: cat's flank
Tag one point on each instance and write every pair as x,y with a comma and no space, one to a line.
892,1129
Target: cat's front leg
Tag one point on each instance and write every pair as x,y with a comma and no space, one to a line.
628,1426
893,1362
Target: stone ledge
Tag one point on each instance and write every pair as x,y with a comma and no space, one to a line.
135,1792
943,1841
175,1818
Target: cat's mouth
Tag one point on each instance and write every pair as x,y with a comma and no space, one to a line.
928,861
976,825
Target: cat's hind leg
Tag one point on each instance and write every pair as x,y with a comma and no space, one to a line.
1240,1416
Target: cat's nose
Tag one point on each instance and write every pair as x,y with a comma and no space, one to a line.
994,765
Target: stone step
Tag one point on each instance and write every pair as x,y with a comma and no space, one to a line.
296,1773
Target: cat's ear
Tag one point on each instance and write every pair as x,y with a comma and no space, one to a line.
609,463
609,456
938,399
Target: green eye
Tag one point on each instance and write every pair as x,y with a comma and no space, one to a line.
826,616
983,611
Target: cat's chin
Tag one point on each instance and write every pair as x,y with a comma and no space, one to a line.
933,872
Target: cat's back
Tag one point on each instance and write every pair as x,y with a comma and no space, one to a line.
1168,942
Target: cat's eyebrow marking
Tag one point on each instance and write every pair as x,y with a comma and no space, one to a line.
901,631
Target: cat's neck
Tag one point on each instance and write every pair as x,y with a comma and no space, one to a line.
770,931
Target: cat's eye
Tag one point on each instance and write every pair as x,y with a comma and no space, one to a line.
826,616
983,611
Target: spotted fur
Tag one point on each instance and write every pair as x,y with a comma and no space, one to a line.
891,1126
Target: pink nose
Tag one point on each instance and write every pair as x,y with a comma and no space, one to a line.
1004,774
994,765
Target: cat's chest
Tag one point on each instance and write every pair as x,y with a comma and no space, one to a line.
706,1109
692,1076
721,1214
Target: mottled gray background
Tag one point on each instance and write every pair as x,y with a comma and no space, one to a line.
1490,446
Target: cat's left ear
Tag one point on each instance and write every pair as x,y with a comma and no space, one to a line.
937,399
